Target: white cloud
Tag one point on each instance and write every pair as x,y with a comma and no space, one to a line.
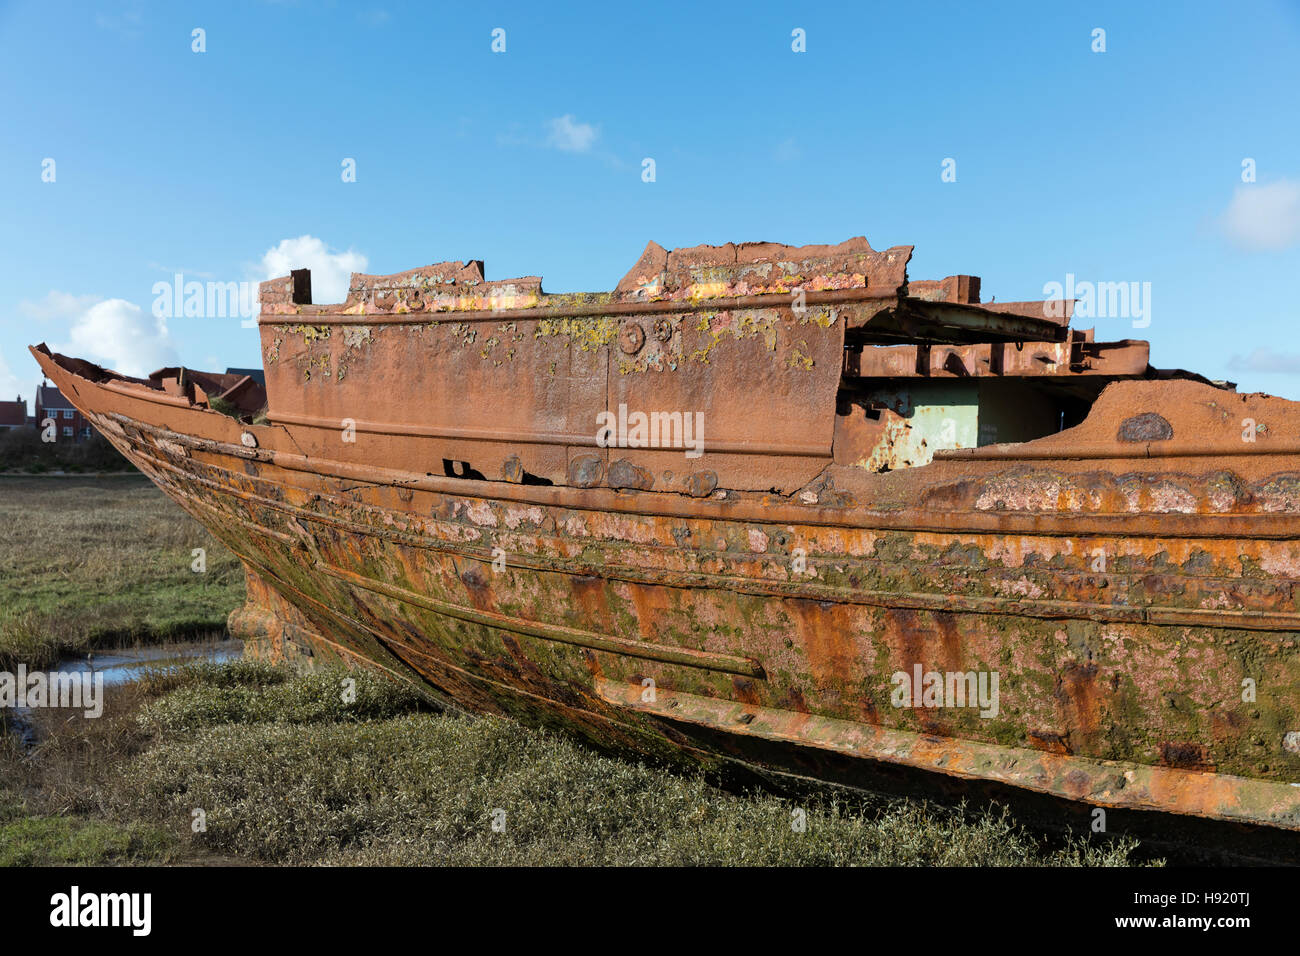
1266,360
131,340
330,271
188,273
1265,215
121,336
570,135
111,332
57,306
787,151
126,23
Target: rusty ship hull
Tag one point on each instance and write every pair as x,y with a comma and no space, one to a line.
421,488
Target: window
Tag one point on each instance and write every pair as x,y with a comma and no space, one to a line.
67,431
67,413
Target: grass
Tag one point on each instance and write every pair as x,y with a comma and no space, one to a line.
94,562
27,840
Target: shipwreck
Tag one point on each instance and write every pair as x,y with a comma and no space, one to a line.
763,506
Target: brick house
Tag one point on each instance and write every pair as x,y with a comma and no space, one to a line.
50,403
13,414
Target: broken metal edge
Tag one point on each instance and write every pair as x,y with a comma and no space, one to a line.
1114,784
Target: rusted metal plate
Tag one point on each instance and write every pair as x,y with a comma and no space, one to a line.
1011,360
1132,581
964,289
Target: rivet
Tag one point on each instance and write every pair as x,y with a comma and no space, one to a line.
631,337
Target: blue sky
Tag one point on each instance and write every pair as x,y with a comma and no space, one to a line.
1117,166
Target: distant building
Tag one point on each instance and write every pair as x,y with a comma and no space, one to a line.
50,403
257,374
13,414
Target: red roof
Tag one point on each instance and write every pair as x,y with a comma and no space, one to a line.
13,413
47,396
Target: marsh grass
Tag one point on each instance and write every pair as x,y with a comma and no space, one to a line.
88,563
286,773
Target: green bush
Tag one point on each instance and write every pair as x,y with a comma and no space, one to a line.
244,694
21,449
